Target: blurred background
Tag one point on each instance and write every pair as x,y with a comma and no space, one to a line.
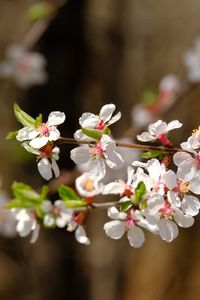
98,52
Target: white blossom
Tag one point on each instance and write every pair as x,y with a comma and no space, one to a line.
46,160
88,185
103,152
26,223
39,136
192,62
80,233
100,122
159,131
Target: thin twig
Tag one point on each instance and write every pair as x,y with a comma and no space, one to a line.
72,141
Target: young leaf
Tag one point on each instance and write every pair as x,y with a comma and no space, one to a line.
11,135
44,192
152,154
92,133
16,203
25,193
125,205
23,117
140,191
38,120
66,193
107,131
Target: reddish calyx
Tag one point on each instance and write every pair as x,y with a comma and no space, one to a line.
79,218
101,126
47,150
164,140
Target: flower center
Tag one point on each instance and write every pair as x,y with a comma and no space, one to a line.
197,160
97,151
101,125
184,187
167,210
44,130
130,222
88,185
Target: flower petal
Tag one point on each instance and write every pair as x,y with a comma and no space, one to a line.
114,229
114,119
35,234
55,167
183,220
136,237
173,125
114,188
39,142
89,120
80,155
107,111
56,118
168,230
54,134
26,133
81,236
44,168
180,157
114,160
169,179
145,137
190,205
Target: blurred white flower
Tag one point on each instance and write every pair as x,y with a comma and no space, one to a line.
192,62
26,68
88,185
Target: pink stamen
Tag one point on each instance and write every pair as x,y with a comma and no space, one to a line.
101,125
44,130
97,151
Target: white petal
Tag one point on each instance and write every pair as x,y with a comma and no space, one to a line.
186,171
39,142
26,133
173,125
136,237
183,220
30,149
63,219
114,160
56,118
35,234
173,199
145,137
49,220
89,120
114,188
169,179
114,229
46,206
155,203
98,168
106,112
180,157
114,119
154,169
195,184
24,227
80,155
55,167
114,213
168,230
54,134
79,135
44,168
81,236
190,205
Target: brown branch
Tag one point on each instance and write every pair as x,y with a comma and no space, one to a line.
72,141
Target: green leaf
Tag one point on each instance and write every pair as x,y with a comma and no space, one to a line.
40,10
75,203
23,117
93,133
44,192
152,154
38,120
140,191
24,192
11,135
66,193
125,205
16,203
107,131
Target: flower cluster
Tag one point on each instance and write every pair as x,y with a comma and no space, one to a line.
154,196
